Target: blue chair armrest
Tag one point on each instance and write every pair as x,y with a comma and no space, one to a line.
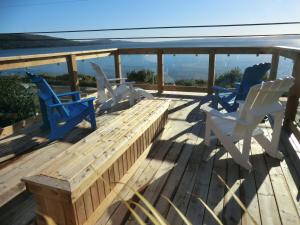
237,85
76,94
218,89
72,103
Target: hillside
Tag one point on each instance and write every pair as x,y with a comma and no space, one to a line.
14,41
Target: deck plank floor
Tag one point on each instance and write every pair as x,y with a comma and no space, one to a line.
181,167
184,165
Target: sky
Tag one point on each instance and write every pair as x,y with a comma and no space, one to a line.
47,15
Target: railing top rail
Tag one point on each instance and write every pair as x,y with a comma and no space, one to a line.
22,61
166,50
198,50
56,54
288,48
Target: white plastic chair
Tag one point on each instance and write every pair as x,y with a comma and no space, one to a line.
124,90
262,99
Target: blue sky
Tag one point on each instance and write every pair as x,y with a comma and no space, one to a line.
45,15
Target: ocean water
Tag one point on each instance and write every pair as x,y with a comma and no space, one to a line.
176,67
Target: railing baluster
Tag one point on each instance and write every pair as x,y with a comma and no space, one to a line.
118,67
211,72
160,71
72,69
274,66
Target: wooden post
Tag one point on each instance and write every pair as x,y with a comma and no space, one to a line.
118,68
274,66
293,96
72,69
160,71
211,72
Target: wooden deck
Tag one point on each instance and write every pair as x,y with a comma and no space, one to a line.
179,165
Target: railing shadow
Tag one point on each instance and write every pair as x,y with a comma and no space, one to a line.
25,141
120,213
247,190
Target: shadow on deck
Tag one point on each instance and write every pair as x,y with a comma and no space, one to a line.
181,167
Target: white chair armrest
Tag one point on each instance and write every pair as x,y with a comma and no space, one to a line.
227,116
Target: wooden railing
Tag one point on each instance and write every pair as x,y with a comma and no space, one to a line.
71,59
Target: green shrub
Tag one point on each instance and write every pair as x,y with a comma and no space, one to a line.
141,76
65,79
190,82
16,101
228,78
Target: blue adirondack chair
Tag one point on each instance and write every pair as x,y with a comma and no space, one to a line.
228,98
60,117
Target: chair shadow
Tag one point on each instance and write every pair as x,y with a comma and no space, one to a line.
122,214
249,182
23,144
25,141
245,190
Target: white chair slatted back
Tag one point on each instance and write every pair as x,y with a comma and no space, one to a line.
262,99
102,83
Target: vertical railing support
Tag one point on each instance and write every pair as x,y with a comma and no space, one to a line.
211,72
72,69
293,96
160,71
274,66
118,68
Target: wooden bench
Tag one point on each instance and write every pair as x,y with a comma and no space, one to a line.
82,181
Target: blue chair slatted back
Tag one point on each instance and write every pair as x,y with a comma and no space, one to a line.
47,94
253,75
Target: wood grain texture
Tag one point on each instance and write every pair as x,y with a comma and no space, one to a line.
160,72
178,163
118,66
75,176
73,71
211,72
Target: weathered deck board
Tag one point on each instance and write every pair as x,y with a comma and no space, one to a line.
29,163
266,199
195,211
286,207
216,188
147,170
180,163
246,185
232,211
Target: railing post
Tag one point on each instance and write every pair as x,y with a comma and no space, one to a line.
72,69
293,96
211,72
160,71
118,68
274,66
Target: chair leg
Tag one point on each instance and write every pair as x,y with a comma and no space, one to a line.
131,99
247,146
46,124
278,117
214,102
92,116
271,147
207,130
54,135
232,149
268,147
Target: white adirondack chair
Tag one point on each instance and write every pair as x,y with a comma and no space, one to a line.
124,90
262,100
